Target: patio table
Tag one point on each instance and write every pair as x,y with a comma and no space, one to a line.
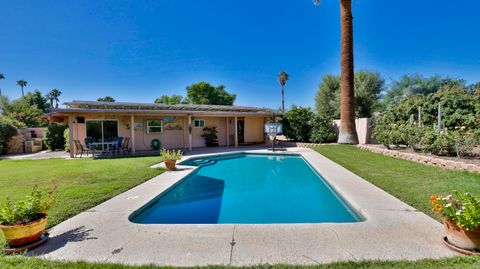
105,147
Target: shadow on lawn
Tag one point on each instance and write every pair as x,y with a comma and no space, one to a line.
56,242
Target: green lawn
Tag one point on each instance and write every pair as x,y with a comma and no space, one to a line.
460,262
82,183
411,182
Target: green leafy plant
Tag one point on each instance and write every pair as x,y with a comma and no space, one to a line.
322,130
33,208
210,136
7,131
462,208
171,154
66,136
54,138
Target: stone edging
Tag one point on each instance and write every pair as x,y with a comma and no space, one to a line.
430,160
299,144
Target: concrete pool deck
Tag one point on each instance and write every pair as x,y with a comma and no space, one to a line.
392,230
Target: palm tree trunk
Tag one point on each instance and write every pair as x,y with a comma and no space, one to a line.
23,95
347,133
283,100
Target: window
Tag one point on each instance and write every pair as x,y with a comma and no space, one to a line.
199,123
154,126
102,130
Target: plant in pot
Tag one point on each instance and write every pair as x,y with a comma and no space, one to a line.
210,136
171,157
23,222
460,214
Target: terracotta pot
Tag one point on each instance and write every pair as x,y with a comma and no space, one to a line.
460,237
21,234
170,164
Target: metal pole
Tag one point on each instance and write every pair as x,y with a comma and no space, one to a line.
439,120
419,117
274,136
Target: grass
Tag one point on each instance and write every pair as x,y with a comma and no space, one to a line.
409,181
82,183
459,262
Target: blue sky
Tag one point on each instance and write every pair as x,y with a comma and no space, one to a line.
139,50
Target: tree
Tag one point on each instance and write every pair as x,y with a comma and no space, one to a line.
106,99
296,123
411,84
53,95
327,100
368,87
282,79
169,100
23,111
347,133
203,93
35,98
22,83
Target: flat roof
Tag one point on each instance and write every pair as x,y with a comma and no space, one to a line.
78,106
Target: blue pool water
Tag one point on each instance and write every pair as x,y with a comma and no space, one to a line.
248,188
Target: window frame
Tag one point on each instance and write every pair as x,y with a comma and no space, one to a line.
198,120
101,120
149,126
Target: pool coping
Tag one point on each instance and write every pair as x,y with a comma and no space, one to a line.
392,230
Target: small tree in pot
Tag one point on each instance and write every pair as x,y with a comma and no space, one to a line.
23,222
171,157
210,136
460,214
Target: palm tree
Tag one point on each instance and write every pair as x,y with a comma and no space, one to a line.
347,133
53,95
1,78
22,83
282,79
50,98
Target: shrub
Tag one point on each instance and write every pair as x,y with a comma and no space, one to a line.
210,136
461,208
321,130
464,142
66,136
54,138
171,154
438,142
296,124
7,131
32,208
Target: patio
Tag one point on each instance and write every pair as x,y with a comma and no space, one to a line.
392,230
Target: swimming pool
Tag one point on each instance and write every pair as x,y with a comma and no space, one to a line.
248,188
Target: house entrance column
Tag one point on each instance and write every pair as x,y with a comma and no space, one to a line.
132,132
236,132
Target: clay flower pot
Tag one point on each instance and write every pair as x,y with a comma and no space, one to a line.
170,164
22,234
460,237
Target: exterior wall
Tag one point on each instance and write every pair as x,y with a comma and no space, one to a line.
174,138
254,130
218,122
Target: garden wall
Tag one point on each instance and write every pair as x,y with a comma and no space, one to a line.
364,130
424,159
23,142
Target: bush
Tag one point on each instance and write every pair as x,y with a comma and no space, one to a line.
7,131
66,136
322,130
464,142
34,207
438,142
296,124
54,138
210,136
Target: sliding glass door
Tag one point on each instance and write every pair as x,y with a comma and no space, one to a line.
102,130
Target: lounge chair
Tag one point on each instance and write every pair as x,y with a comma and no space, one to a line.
125,145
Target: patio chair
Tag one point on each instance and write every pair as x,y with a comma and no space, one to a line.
119,146
125,145
81,149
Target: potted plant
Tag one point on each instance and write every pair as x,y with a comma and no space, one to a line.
23,222
460,214
171,157
210,136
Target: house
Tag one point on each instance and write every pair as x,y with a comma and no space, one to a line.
176,126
